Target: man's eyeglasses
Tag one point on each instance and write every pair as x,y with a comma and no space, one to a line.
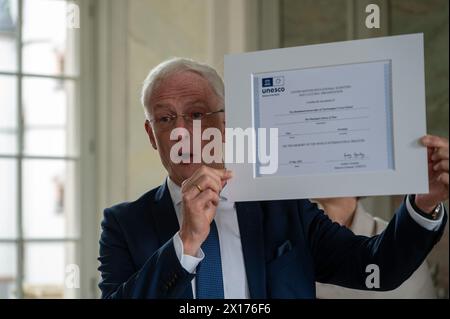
168,121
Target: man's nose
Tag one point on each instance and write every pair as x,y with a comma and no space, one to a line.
180,122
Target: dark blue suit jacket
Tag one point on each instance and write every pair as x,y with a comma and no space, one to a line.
287,246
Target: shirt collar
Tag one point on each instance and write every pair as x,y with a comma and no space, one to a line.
175,191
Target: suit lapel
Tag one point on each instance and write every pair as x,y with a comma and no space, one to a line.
251,229
164,215
165,219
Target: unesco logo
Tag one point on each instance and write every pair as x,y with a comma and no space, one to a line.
273,85
267,82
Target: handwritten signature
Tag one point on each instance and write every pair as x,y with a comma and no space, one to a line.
354,155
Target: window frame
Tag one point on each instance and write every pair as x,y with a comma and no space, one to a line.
84,161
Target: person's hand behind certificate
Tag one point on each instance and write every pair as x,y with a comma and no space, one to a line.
438,176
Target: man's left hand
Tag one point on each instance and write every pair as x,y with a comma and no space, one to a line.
437,173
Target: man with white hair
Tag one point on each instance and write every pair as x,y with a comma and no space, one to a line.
186,239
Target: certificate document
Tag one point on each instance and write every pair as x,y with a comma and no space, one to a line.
327,120
330,119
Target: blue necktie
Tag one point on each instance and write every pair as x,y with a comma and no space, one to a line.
209,281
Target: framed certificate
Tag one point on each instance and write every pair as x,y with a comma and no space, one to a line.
328,120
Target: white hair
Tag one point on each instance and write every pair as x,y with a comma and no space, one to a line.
175,65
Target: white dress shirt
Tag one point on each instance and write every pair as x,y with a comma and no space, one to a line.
233,268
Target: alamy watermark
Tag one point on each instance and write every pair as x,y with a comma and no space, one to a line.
373,279
72,16
373,18
72,276
235,151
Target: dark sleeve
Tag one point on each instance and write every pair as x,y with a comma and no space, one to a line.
341,257
162,275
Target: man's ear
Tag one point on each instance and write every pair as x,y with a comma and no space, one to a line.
151,136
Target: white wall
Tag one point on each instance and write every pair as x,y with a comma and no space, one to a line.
157,30
134,37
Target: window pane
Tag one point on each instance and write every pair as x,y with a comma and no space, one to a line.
48,42
8,271
48,199
8,35
8,117
46,268
49,117
8,198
